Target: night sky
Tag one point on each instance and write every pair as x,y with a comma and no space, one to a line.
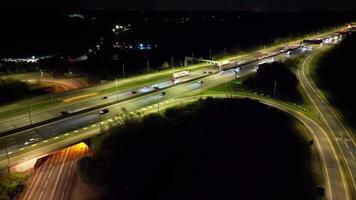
219,5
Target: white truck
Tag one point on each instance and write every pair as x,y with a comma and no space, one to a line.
180,74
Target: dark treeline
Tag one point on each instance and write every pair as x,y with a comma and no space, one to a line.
335,74
11,90
211,149
275,79
172,34
11,185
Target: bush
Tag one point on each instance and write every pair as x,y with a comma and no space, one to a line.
274,76
12,185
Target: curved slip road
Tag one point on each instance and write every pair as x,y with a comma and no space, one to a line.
340,134
335,180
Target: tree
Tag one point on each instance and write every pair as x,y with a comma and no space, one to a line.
165,65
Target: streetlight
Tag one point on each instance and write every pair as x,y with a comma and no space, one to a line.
29,112
159,98
172,62
102,112
117,92
7,155
123,70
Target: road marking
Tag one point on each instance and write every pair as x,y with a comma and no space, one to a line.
76,131
45,184
85,128
321,114
59,174
49,175
62,195
65,185
149,107
22,149
352,155
346,145
40,195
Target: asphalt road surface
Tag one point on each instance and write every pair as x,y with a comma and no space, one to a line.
339,132
54,178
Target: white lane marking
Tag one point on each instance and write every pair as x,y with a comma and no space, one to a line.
39,198
352,155
65,185
62,195
346,145
49,175
45,184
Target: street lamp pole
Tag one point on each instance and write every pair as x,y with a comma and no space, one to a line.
100,130
274,89
29,112
172,62
159,99
7,156
148,65
117,90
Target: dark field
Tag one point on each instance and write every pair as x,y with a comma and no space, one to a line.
211,149
336,75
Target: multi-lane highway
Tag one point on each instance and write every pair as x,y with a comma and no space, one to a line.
19,143
49,137
54,178
338,130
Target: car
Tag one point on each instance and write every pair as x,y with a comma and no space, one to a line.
162,93
104,111
104,97
200,82
156,88
65,112
30,141
133,92
255,67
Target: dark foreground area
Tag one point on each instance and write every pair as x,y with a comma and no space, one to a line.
211,149
336,74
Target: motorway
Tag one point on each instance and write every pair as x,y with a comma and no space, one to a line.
62,176
338,130
47,107
73,129
23,119
54,178
15,143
